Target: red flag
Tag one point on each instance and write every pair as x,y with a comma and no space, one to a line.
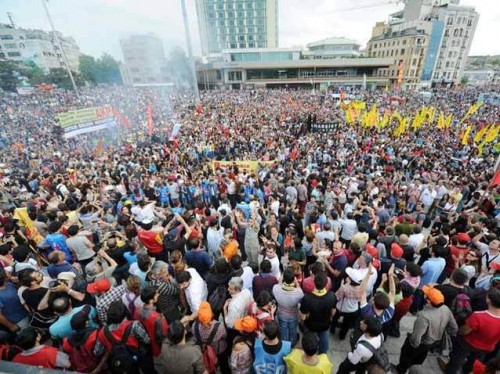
496,179
199,109
150,120
99,149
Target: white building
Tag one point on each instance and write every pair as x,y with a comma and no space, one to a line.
38,46
236,24
332,48
144,60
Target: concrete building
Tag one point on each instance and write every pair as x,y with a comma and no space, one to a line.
477,77
285,67
144,60
429,41
38,46
332,48
236,24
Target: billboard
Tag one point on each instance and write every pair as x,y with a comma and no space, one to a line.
82,121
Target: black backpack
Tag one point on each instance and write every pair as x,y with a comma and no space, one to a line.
122,358
380,356
218,298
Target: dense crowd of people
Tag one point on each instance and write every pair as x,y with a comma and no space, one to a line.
154,255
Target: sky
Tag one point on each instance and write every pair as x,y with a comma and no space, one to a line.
98,25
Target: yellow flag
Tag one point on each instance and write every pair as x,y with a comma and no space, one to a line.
480,134
447,121
401,127
465,136
473,109
440,122
492,133
397,116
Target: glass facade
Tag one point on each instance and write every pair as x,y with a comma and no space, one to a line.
261,56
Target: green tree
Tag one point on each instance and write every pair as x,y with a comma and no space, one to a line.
88,68
464,80
108,70
8,76
179,68
60,77
33,73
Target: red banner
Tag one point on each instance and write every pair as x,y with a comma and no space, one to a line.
150,120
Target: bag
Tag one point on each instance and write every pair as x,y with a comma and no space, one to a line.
210,359
380,356
488,261
121,359
159,336
82,359
217,299
461,307
131,305
8,352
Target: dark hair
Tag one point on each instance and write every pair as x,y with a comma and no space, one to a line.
183,276
73,230
61,304
317,268
176,332
143,261
148,294
254,266
265,266
221,266
26,338
264,298
117,312
271,330
236,262
288,275
21,253
406,289
373,326
53,227
25,277
193,243
381,301
460,276
310,343
320,281
413,269
494,297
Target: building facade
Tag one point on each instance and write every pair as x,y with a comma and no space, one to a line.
38,46
285,68
429,41
236,24
144,60
332,48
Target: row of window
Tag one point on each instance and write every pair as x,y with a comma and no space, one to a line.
460,21
6,37
248,22
238,6
10,54
388,44
445,75
235,38
239,15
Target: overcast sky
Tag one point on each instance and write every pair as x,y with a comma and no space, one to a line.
98,25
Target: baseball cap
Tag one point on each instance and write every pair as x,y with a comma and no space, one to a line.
463,238
355,275
396,250
247,324
371,250
66,276
231,249
147,221
433,294
205,314
102,285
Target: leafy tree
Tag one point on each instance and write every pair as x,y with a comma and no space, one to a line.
33,73
8,76
88,68
60,77
464,80
104,70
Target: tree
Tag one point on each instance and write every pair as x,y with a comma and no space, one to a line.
8,76
33,73
88,68
60,77
105,70
179,67
464,80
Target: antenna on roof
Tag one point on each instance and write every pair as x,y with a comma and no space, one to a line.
11,18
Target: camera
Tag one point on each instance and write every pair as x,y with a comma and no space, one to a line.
56,283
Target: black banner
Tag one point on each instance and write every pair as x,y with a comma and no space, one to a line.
323,127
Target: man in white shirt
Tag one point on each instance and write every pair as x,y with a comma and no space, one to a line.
417,237
195,289
349,228
237,306
326,233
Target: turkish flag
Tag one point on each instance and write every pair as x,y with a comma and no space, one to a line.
496,179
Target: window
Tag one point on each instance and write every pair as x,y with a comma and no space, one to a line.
392,53
404,42
447,32
2,55
402,51
414,62
6,37
13,54
234,76
449,21
10,45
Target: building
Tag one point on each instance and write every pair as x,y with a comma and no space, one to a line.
236,24
429,41
38,46
144,60
332,48
285,67
477,77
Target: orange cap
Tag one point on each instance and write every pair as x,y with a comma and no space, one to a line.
371,249
433,294
396,250
231,249
247,324
205,314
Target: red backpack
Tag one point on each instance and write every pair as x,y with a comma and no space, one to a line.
81,354
209,355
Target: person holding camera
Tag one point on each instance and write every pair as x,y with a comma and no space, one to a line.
62,307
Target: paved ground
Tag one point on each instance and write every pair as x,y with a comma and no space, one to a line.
339,348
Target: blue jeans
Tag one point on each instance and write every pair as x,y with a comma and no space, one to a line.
288,329
324,341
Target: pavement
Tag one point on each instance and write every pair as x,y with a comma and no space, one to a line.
339,348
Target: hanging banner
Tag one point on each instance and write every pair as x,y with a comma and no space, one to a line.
82,121
247,166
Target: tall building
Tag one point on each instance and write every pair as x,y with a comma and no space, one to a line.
236,24
38,46
429,41
144,60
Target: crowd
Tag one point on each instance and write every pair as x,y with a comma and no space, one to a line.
155,256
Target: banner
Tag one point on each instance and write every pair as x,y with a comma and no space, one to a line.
175,131
83,128
248,166
82,121
149,113
324,127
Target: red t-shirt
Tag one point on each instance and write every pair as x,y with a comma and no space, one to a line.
308,284
151,240
485,332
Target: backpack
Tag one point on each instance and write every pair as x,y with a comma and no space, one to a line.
218,298
209,355
8,352
121,359
380,356
82,359
461,307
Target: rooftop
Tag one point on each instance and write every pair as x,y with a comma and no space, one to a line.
332,40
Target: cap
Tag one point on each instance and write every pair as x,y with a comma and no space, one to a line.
92,269
396,250
147,221
371,250
433,294
205,314
355,275
102,285
247,324
231,249
463,238
127,202
368,258
66,275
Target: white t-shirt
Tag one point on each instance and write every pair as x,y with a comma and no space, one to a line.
275,266
361,353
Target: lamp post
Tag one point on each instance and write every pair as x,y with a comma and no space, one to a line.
65,58
190,52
